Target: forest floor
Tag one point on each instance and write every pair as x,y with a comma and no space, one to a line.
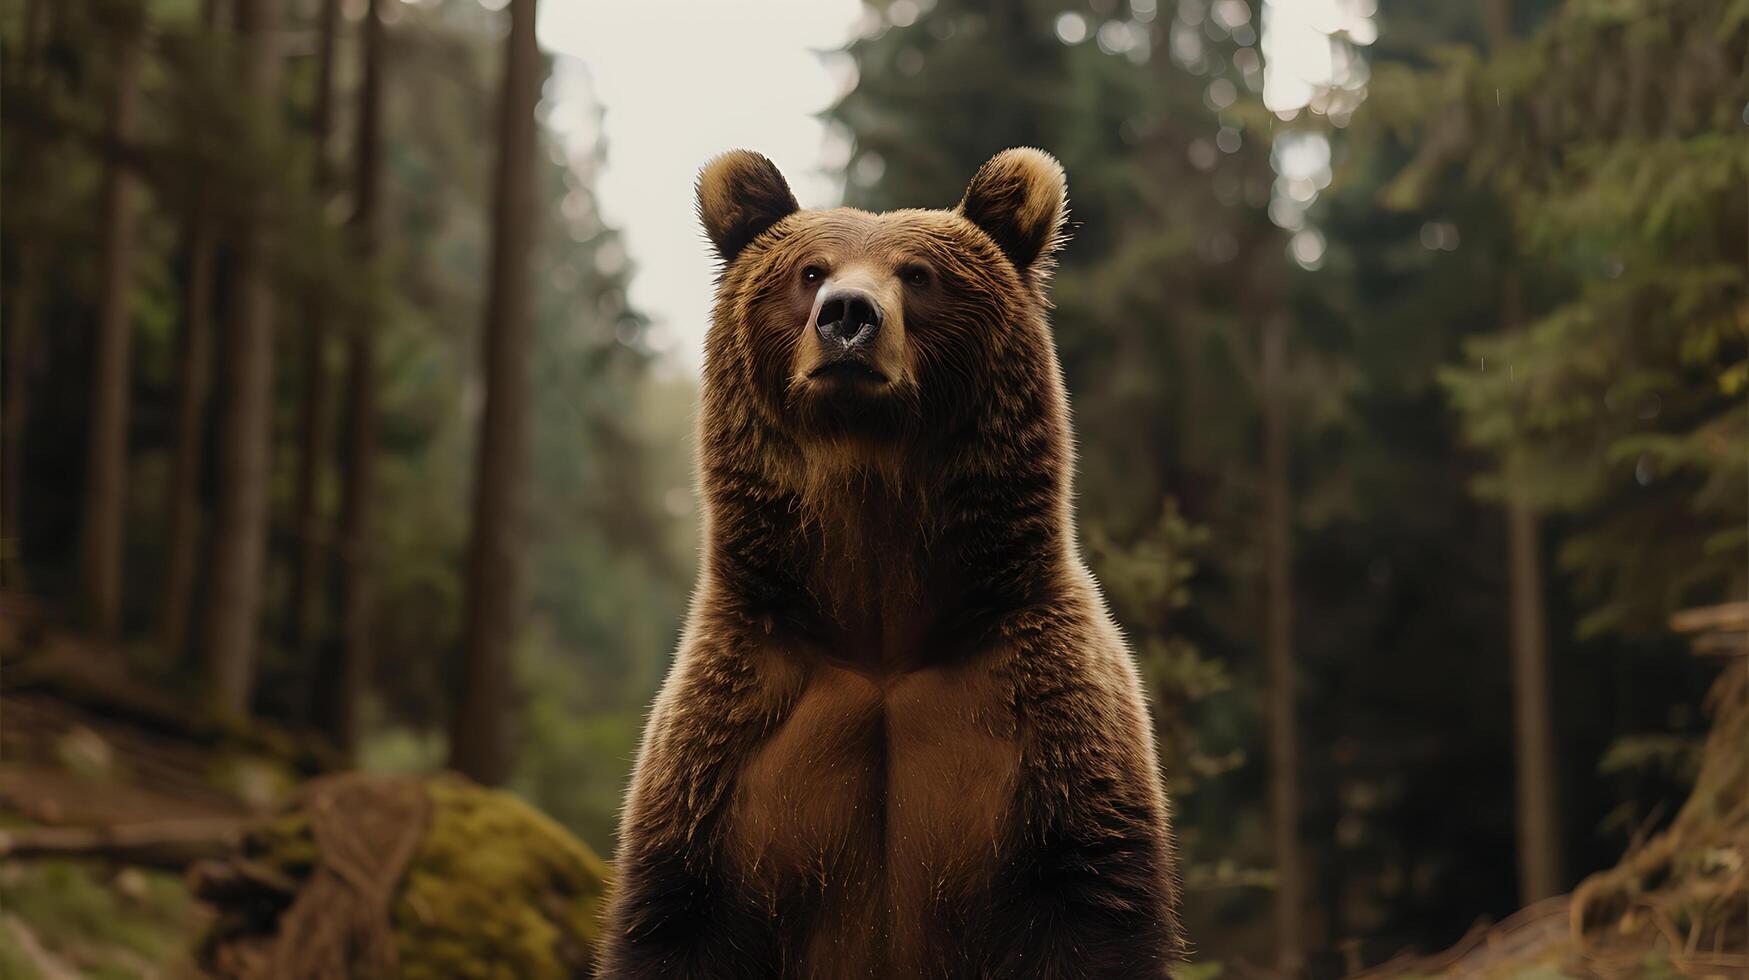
77,915
82,753
127,817
1675,906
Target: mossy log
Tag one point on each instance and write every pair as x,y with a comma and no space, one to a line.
381,877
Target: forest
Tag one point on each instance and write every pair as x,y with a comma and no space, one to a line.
348,523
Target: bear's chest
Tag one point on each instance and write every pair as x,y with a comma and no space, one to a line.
876,803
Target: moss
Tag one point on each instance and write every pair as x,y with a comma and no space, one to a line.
1657,966
494,890
1541,972
14,964
285,843
105,927
497,890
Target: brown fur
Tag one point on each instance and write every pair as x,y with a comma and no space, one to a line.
901,737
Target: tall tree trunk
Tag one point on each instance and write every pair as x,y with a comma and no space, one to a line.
1497,20
193,384
240,528
479,737
19,328
194,357
1539,843
343,668
313,417
106,472
1284,762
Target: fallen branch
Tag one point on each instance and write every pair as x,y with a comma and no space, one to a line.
48,965
167,844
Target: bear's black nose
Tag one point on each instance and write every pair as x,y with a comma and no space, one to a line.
848,317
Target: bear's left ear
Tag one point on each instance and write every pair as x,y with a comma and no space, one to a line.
1020,199
740,195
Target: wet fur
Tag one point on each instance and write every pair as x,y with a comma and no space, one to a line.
901,737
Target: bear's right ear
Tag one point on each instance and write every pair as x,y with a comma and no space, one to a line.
740,195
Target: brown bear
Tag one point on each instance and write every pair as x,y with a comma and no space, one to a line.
902,736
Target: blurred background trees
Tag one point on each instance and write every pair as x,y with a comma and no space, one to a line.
363,144
1407,412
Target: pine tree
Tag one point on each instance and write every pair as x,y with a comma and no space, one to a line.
479,736
193,386
343,668
314,421
111,380
240,524
1614,145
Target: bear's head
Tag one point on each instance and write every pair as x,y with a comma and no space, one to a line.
854,334
882,402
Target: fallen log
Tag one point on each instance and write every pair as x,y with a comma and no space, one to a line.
170,845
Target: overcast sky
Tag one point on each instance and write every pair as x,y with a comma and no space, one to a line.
681,81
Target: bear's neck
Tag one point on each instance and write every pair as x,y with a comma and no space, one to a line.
890,561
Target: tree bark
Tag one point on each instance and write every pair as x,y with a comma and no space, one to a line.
193,384
1284,763
479,737
106,471
1539,846
194,357
1538,827
343,667
1497,19
19,328
19,331
313,416
240,529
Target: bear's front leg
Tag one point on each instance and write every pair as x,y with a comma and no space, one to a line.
675,911
1090,887
676,917
1093,896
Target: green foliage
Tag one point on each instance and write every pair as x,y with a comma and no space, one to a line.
1614,139
1148,583
1675,754
108,926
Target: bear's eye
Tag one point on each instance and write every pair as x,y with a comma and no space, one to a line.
914,275
812,275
